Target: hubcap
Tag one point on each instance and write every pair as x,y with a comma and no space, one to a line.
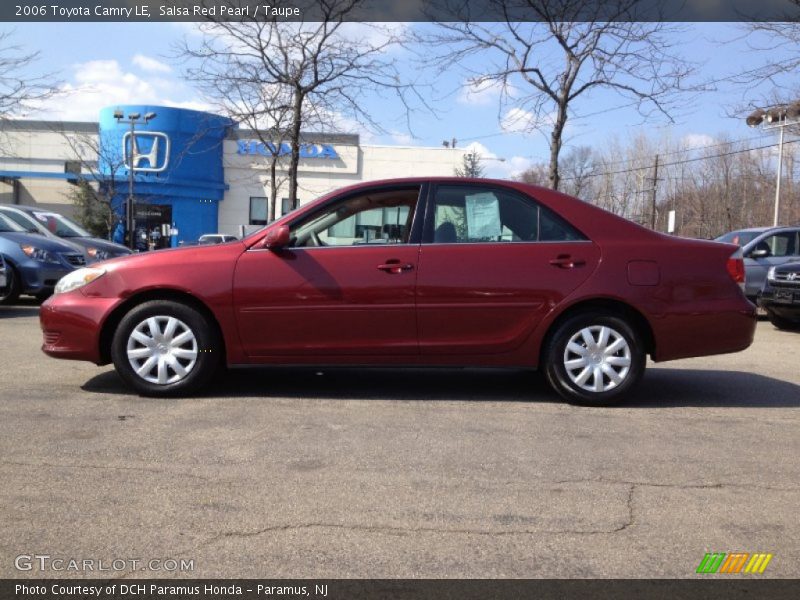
597,358
162,350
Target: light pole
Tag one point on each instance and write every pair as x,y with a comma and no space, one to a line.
133,120
776,117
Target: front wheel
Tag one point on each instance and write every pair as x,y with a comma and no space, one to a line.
13,288
165,348
594,359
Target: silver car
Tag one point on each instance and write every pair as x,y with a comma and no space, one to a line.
764,247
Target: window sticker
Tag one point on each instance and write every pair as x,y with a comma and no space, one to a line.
483,216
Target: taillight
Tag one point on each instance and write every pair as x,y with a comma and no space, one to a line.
735,267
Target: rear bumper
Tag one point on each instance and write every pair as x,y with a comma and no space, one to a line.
719,329
71,325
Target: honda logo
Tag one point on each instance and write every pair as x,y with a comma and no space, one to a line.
146,151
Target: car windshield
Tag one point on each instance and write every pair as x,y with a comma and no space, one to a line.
24,220
739,237
60,225
7,225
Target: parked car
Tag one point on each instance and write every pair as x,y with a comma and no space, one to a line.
780,296
34,263
764,247
468,272
215,238
54,225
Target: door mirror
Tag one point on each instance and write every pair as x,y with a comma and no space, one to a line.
276,238
760,253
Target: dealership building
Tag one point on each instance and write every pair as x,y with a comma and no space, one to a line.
193,172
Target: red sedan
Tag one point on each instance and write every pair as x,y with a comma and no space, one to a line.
436,271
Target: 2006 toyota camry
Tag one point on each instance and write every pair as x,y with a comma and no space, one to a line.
436,271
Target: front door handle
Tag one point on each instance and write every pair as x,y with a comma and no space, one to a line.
565,261
395,267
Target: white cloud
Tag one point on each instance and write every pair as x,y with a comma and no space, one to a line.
518,120
697,140
401,139
151,65
499,167
99,83
479,94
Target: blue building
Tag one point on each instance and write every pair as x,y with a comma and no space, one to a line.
178,175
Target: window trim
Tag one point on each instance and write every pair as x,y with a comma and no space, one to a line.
430,216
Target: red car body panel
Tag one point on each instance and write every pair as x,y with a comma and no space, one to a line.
446,304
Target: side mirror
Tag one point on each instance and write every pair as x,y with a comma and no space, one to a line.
759,253
276,238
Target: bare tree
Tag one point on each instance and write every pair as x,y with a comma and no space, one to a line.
98,176
20,90
264,109
315,70
543,69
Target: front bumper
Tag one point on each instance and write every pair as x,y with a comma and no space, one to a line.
40,277
783,301
71,325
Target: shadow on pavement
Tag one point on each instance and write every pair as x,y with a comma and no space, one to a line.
24,307
659,388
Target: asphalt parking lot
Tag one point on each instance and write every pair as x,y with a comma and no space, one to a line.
374,473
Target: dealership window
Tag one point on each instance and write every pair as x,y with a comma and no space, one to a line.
467,214
258,210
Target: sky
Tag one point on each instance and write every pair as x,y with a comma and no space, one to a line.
103,64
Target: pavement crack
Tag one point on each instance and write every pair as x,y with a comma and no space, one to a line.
687,486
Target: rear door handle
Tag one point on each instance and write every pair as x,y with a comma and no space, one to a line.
565,261
395,267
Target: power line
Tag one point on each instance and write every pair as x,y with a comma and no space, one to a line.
678,162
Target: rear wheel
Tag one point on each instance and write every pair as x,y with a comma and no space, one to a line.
781,322
165,348
11,293
594,359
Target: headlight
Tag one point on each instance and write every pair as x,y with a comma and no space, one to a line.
39,254
96,254
78,279
771,274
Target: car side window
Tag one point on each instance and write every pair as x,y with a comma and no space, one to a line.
782,244
378,217
474,214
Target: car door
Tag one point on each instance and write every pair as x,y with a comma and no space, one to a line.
493,262
781,247
343,288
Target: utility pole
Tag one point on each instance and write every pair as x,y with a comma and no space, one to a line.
653,200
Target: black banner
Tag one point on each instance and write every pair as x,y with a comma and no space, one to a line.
713,588
399,10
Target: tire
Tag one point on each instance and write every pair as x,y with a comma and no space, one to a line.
781,322
177,359
619,370
13,286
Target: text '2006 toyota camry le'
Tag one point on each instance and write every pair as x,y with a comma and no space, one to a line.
434,271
